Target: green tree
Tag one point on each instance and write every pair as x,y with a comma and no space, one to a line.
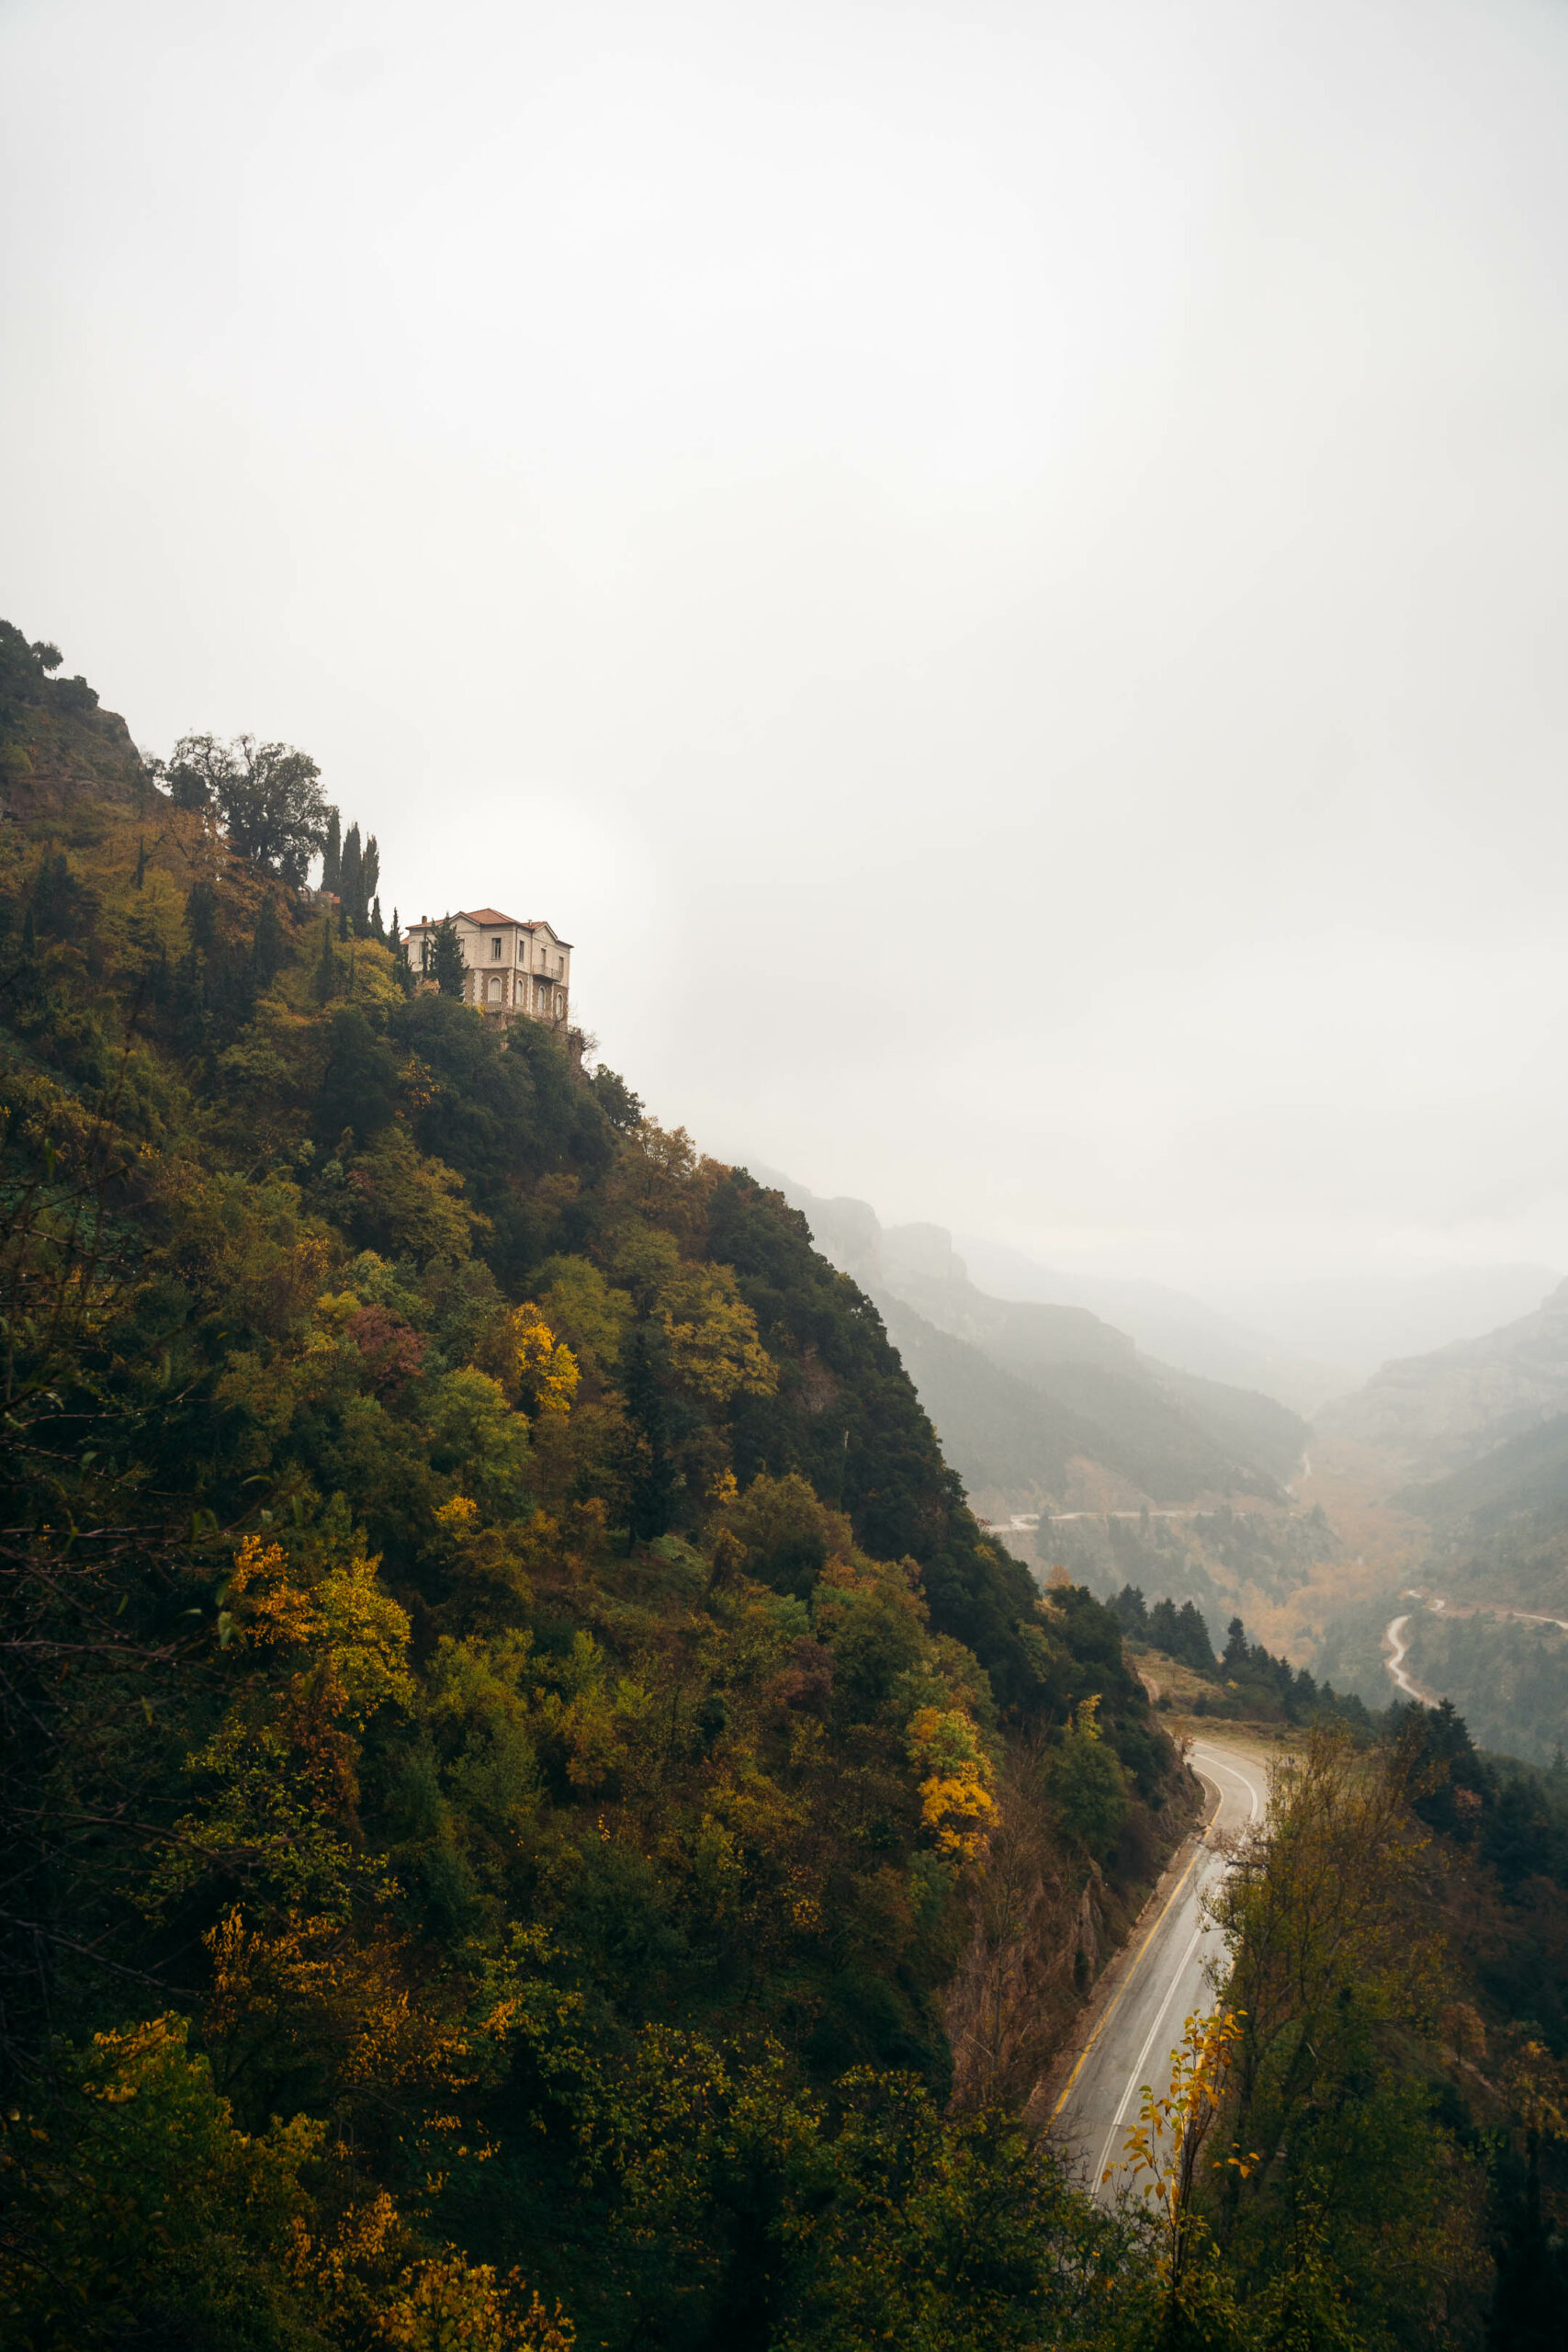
269,952
331,852
1337,1978
1089,1783
349,885
268,794
444,958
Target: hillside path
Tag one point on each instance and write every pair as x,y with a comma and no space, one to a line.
1146,1998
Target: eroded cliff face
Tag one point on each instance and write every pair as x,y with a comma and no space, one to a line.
1044,1922
58,748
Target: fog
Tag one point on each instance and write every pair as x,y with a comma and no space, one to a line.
998,569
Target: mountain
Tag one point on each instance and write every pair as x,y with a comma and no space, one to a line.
1169,1324
1043,1405
1364,1320
1526,1472
506,1717
530,1812
1432,1415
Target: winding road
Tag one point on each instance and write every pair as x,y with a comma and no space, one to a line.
1396,1639
1160,1981
1398,1646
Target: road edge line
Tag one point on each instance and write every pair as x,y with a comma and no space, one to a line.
1108,2011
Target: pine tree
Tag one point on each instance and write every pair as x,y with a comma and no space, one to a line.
331,853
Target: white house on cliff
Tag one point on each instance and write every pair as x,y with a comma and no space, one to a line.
509,967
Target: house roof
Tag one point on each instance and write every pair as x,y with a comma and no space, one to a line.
489,919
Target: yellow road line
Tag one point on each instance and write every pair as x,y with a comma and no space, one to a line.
1112,2006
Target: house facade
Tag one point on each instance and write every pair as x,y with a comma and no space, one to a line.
510,967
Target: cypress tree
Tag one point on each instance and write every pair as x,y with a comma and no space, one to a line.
652,1480
268,954
332,851
141,862
445,966
369,875
350,886
400,946
325,969
201,915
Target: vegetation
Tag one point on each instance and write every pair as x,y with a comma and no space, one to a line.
1509,1676
531,1812
504,1708
1245,1682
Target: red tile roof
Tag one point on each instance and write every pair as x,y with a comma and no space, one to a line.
489,915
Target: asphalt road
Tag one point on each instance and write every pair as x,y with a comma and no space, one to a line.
1159,1983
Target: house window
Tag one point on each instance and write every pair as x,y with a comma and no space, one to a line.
495,951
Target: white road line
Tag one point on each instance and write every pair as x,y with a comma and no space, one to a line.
1234,1771
1132,2082
1212,1762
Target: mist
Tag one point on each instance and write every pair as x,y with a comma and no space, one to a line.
997,571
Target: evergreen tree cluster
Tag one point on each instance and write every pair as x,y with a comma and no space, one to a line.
1247,1681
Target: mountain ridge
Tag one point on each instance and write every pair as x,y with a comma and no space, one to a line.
1090,1420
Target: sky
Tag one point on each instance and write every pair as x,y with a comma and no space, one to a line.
997,568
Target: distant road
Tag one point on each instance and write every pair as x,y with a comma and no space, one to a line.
1396,1641
1160,1981
1398,1646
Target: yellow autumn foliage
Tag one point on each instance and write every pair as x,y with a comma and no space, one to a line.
956,1804
547,1368
711,1337
359,1627
464,2306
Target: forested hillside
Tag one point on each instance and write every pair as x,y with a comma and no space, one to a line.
532,1814
501,1693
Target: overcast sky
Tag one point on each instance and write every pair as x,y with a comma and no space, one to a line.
998,568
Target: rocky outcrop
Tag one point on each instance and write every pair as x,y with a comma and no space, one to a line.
59,751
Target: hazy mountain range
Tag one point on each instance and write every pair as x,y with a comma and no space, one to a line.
1432,1416
1043,1403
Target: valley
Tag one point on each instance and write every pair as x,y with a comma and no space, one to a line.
1099,1460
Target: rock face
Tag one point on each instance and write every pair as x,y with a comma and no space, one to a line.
58,749
1432,1414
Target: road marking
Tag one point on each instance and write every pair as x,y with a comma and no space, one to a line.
1234,1771
1160,2016
1212,1762
1115,2001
